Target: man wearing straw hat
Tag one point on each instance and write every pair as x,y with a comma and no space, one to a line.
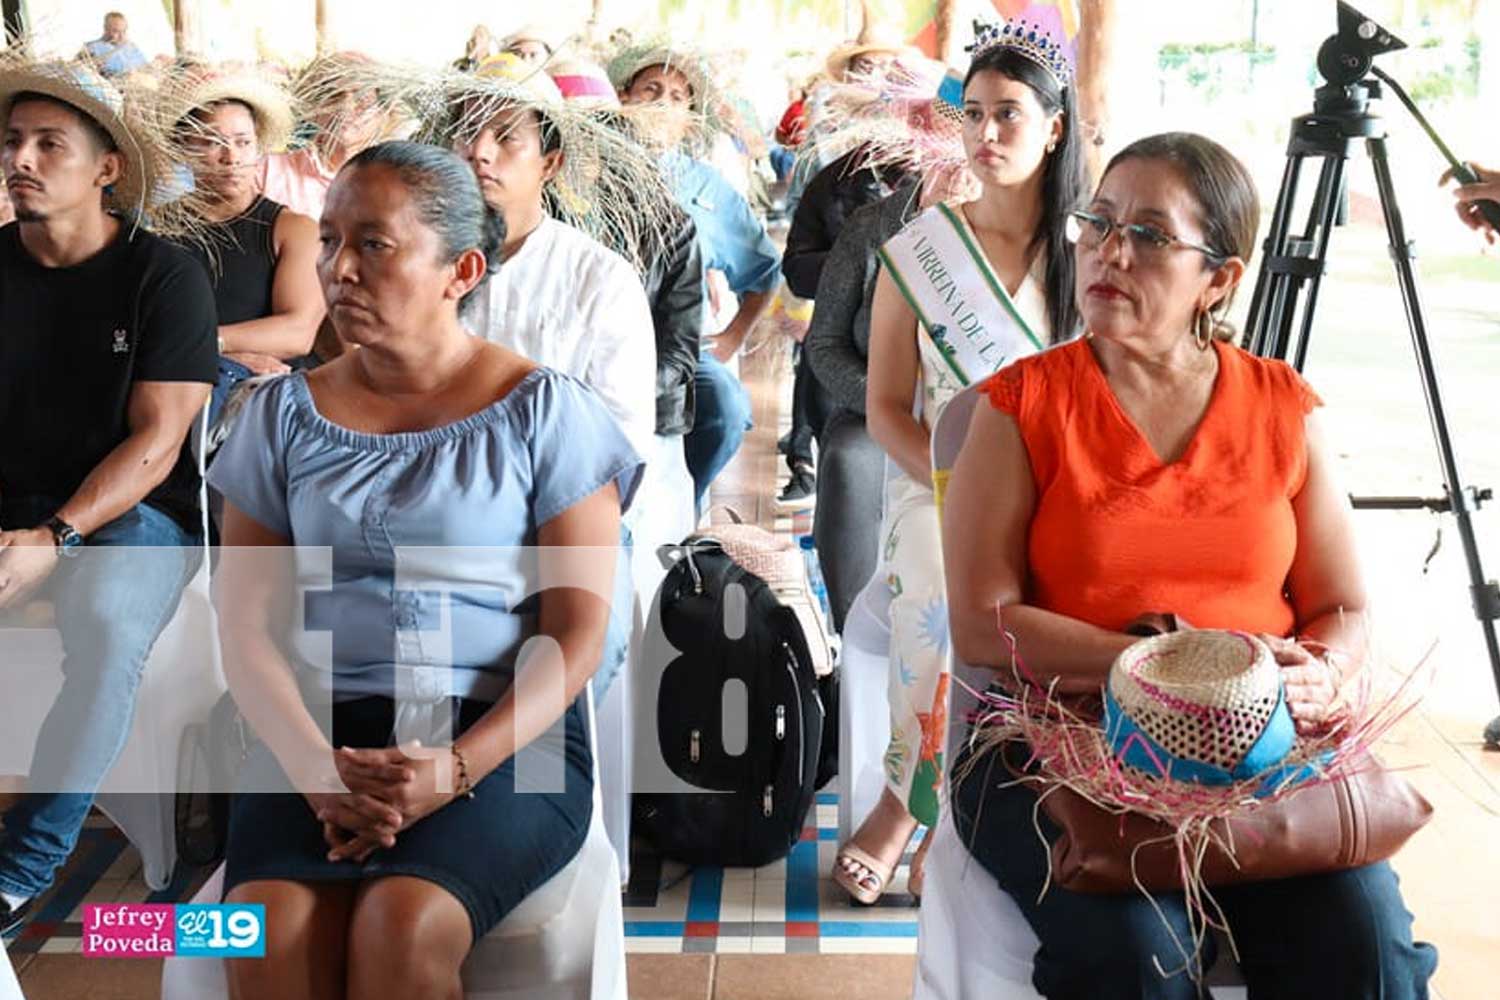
672,91
106,359
562,298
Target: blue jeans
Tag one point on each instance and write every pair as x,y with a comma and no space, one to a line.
720,422
111,601
1345,934
782,161
231,374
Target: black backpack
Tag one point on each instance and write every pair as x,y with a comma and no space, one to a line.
726,625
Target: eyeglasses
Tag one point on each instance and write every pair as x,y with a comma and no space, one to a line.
1090,231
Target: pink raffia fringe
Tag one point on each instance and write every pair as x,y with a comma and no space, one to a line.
1069,750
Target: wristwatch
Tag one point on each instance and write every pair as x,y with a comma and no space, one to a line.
67,539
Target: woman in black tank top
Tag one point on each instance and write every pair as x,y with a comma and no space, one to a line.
260,257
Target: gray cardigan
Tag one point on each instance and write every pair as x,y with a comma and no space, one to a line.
838,341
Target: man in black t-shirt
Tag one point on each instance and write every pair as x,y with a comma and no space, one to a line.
107,353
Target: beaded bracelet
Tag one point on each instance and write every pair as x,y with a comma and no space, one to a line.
465,786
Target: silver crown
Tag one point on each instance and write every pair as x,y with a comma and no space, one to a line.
1026,39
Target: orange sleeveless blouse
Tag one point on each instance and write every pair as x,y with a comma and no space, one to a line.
1116,532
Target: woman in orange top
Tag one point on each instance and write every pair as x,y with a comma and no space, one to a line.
1154,467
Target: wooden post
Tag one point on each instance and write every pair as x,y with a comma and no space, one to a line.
185,26
320,26
947,14
1096,35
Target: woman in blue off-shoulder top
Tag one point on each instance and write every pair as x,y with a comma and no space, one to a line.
391,522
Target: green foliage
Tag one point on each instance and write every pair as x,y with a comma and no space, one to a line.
1204,65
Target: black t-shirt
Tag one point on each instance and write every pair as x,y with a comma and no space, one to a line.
73,343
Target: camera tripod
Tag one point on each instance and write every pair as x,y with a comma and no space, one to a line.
1294,264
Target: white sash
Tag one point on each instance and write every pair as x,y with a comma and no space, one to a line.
937,264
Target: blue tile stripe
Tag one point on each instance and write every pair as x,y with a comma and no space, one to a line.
802,883
706,895
655,928
873,929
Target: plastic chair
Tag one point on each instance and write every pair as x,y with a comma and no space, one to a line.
179,685
566,941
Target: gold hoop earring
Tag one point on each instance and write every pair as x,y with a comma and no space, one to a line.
1203,329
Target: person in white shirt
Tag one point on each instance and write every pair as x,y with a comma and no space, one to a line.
560,297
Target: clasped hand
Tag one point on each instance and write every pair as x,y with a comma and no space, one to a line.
389,789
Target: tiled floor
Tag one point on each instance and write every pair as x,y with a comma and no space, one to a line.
710,934
786,908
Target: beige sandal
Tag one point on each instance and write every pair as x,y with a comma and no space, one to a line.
878,870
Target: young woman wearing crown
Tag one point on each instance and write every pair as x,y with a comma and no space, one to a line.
964,289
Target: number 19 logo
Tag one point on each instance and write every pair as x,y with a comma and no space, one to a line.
221,931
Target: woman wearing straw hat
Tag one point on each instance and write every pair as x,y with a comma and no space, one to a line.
1111,478
915,134
342,119
262,258
962,291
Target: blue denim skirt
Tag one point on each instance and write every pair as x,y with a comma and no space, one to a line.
490,852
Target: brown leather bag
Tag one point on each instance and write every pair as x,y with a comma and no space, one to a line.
1331,826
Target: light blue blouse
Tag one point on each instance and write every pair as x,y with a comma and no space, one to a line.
459,503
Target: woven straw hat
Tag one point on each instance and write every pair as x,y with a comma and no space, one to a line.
630,61
532,33
871,38
275,119
584,83
608,186
912,124
80,86
1202,706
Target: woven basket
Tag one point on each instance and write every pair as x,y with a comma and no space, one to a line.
1203,695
